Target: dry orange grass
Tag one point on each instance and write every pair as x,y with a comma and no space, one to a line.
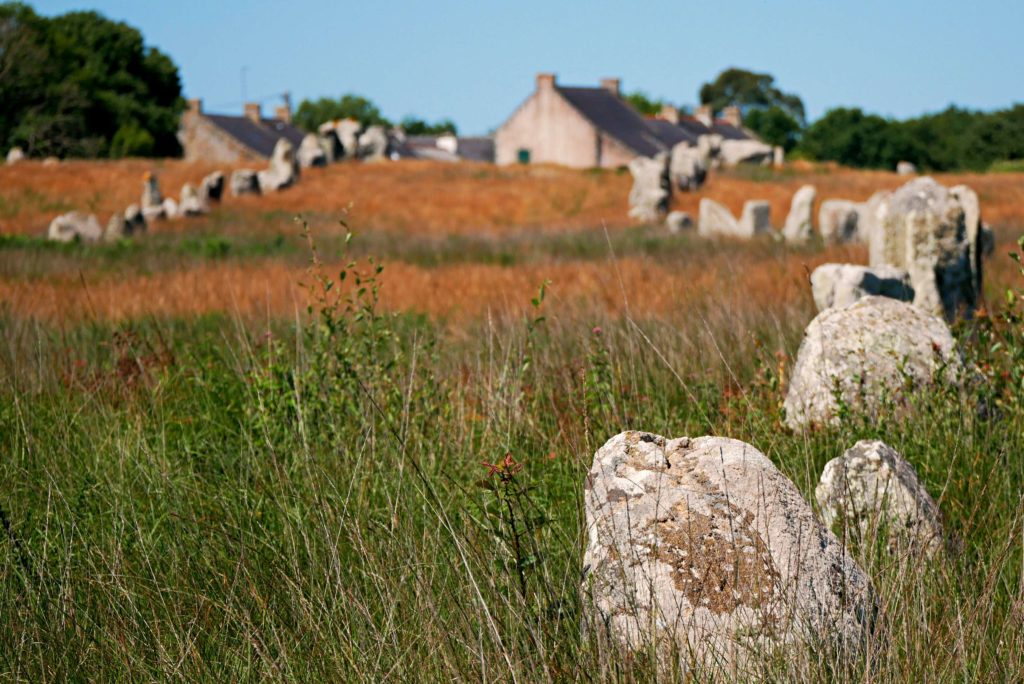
430,198
458,292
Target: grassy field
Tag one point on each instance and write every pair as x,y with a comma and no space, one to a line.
220,462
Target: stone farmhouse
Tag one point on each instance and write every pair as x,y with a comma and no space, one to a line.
595,127
249,138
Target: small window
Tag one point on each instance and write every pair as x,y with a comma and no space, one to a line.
524,156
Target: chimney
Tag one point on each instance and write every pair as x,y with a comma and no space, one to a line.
195,106
704,115
669,113
252,111
733,115
283,113
611,85
545,81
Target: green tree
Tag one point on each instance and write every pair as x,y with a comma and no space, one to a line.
774,126
645,105
70,83
415,126
311,113
750,90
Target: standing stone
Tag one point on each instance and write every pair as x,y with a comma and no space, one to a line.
798,227
373,144
171,210
864,355
134,220
117,228
838,221
715,219
734,152
244,182
152,199
872,489
212,187
678,221
709,146
283,170
934,234
191,203
15,155
756,218
75,225
905,168
652,189
703,547
331,145
310,153
839,285
686,167
347,133
872,217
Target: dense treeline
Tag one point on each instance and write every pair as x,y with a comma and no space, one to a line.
952,139
80,85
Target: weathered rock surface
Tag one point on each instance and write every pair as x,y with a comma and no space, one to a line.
934,234
347,133
15,155
678,221
715,219
871,489
331,145
686,167
117,228
652,189
905,168
283,170
75,225
839,221
839,285
799,223
191,202
311,153
373,144
708,147
212,187
244,182
864,355
703,546
756,218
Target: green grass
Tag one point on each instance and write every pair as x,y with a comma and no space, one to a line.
213,500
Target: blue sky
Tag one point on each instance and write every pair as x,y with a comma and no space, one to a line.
474,61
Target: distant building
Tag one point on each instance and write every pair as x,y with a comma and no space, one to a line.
444,147
249,138
596,127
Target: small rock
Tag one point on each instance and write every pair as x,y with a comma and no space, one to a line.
75,225
905,168
191,203
283,171
136,221
799,223
15,155
870,489
373,144
864,355
170,207
715,219
117,228
839,285
678,221
702,547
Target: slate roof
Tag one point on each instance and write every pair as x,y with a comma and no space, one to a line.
258,137
477,148
670,134
730,132
693,126
616,118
